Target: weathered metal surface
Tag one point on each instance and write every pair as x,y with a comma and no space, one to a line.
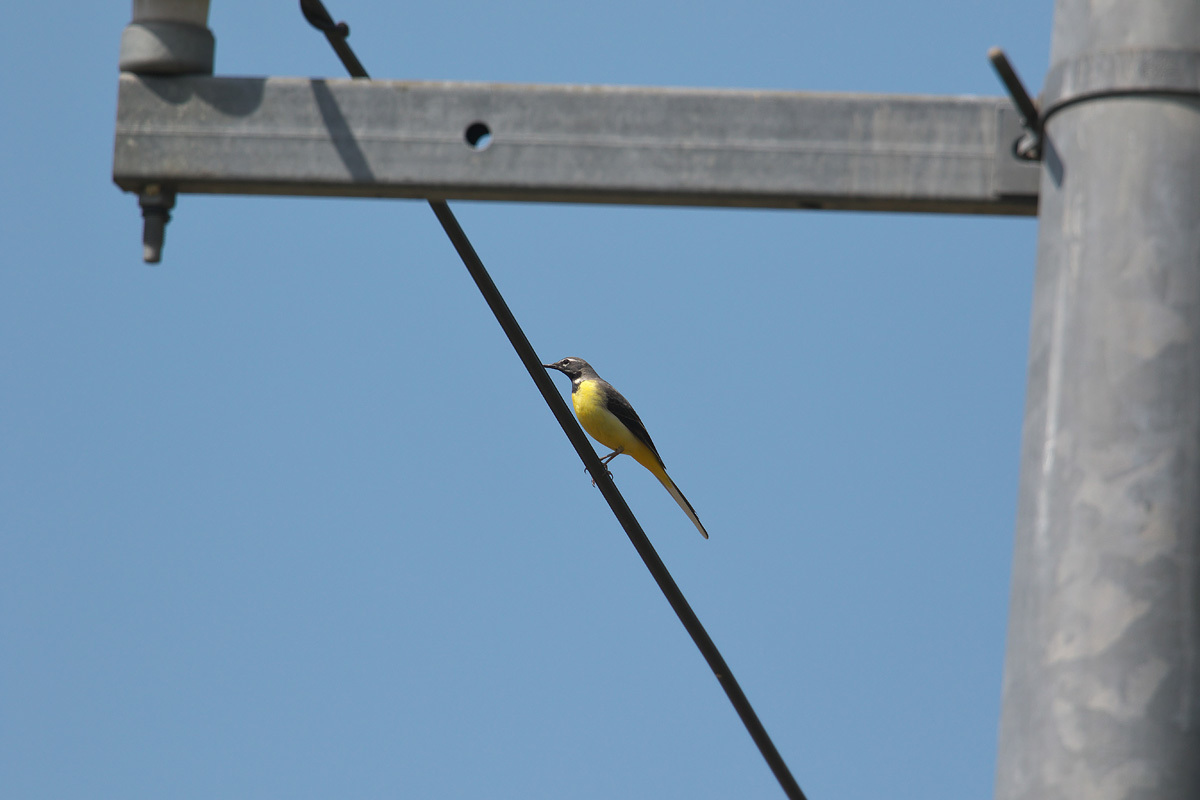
571,143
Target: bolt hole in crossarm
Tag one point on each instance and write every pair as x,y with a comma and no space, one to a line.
478,135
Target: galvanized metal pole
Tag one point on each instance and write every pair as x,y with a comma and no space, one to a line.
1102,676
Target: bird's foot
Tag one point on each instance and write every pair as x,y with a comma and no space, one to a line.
607,473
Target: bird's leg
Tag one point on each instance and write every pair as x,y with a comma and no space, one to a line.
605,461
612,455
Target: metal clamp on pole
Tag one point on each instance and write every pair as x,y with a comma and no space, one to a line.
1029,146
1127,73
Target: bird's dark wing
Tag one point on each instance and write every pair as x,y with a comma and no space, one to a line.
620,408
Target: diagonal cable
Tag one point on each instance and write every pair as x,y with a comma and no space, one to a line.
314,11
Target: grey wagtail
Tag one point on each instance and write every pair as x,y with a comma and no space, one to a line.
607,416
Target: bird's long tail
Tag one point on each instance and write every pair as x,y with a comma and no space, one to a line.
666,481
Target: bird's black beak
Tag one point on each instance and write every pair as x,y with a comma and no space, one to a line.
552,366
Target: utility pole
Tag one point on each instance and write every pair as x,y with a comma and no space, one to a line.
1102,673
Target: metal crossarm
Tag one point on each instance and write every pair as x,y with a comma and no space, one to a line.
691,147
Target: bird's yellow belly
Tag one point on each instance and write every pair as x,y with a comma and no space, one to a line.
609,431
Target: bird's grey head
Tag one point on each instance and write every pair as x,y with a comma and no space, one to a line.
573,368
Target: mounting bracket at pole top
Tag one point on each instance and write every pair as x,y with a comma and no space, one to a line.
1029,146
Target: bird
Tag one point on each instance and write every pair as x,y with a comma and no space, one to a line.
609,418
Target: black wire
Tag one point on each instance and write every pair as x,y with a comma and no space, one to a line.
616,501
314,11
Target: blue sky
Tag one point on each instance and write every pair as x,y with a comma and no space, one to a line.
284,517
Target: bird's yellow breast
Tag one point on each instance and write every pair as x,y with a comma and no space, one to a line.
589,401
